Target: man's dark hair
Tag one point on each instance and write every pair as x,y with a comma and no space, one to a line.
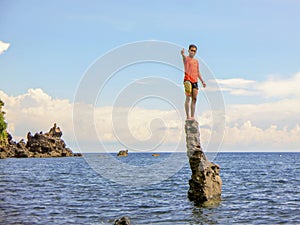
192,46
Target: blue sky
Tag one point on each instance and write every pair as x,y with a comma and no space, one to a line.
53,43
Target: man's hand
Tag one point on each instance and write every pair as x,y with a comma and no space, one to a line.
182,52
203,84
183,56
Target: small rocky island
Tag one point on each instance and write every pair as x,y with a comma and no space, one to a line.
122,221
123,153
39,145
205,183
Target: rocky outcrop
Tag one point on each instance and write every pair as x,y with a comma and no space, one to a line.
205,183
123,153
39,146
122,221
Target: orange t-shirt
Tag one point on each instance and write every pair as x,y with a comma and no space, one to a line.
191,69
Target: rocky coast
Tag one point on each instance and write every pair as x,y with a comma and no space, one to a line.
39,145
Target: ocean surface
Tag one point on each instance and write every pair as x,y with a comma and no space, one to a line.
258,188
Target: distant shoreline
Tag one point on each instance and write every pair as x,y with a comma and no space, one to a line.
221,152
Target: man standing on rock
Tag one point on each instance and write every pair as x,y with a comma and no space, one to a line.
191,75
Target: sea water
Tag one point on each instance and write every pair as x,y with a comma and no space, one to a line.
258,188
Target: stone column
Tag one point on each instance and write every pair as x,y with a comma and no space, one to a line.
205,183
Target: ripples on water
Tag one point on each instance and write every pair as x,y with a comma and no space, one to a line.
258,188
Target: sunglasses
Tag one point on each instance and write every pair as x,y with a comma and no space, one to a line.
193,50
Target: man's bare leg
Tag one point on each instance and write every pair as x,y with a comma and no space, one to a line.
187,106
194,100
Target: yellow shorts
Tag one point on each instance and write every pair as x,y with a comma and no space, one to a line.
187,87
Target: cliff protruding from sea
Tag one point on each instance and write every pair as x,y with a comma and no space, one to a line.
205,183
123,153
39,145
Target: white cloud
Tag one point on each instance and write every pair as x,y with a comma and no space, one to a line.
3,47
36,111
271,125
249,129
236,86
249,137
268,126
280,87
275,87
235,82
282,113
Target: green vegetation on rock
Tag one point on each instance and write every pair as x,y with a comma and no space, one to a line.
3,126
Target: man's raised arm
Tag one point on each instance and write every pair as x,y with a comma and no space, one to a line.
183,55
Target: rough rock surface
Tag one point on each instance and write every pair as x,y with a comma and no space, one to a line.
122,221
205,183
39,145
123,153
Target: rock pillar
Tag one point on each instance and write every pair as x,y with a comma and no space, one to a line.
205,183
122,221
